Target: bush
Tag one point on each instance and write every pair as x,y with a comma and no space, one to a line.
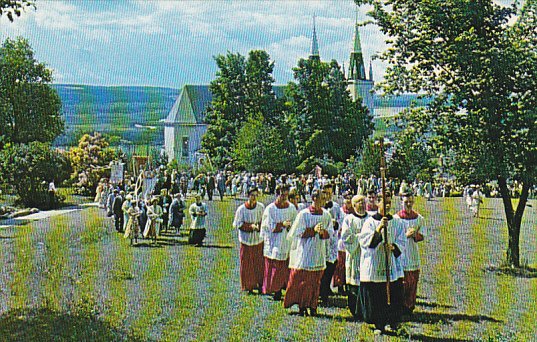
28,169
90,161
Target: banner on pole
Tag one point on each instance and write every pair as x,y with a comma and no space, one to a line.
116,172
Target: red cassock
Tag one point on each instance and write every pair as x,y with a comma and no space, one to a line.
276,275
252,266
303,289
339,278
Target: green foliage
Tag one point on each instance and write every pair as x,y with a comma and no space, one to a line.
241,90
329,167
412,157
12,8
29,168
326,122
368,162
29,106
259,148
227,109
90,161
482,71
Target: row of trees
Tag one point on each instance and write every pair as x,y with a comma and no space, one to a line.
252,127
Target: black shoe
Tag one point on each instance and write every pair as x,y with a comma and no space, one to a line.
302,312
313,312
277,295
250,292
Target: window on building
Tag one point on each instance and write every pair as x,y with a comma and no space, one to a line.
185,147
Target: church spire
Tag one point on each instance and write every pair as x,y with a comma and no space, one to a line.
370,70
357,67
314,44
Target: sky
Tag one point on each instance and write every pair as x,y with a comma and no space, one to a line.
169,43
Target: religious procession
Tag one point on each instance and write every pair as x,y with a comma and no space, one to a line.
268,171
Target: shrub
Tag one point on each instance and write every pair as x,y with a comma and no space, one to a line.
28,169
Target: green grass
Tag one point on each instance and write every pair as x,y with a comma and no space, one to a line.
72,277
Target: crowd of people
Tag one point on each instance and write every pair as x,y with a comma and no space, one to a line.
307,250
320,234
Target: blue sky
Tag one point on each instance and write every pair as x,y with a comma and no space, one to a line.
169,43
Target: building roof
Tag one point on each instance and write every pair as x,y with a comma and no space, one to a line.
192,103
404,100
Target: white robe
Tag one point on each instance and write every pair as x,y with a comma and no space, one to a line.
154,217
309,253
245,215
276,246
372,260
350,236
332,246
411,256
198,222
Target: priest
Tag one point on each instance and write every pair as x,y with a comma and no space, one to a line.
373,285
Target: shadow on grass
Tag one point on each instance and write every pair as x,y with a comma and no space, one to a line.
435,317
420,337
48,325
214,246
335,302
517,272
433,305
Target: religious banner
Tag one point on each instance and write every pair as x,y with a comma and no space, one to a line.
116,172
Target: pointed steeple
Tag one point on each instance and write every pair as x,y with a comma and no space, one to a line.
314,44
370,70
357,67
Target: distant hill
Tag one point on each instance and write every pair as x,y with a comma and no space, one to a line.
114,111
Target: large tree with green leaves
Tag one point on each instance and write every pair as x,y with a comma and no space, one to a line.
29,106
479,60
242,91
327,123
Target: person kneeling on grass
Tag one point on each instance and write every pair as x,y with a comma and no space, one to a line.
198,212
309,237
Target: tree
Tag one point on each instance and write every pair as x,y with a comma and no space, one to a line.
14,7
324,114
29,168
29,106
482,70
260,148
412,158
227,109
243,89
90,161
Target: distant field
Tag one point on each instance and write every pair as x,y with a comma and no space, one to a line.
115,111
72,278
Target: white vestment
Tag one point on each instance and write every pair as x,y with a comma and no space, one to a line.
309,253
245,215
276,246
372,259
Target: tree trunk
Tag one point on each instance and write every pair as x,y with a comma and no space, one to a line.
514,220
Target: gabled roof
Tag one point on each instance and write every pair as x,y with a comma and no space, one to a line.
191,104
404,100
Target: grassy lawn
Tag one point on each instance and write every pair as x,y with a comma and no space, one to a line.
71,277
